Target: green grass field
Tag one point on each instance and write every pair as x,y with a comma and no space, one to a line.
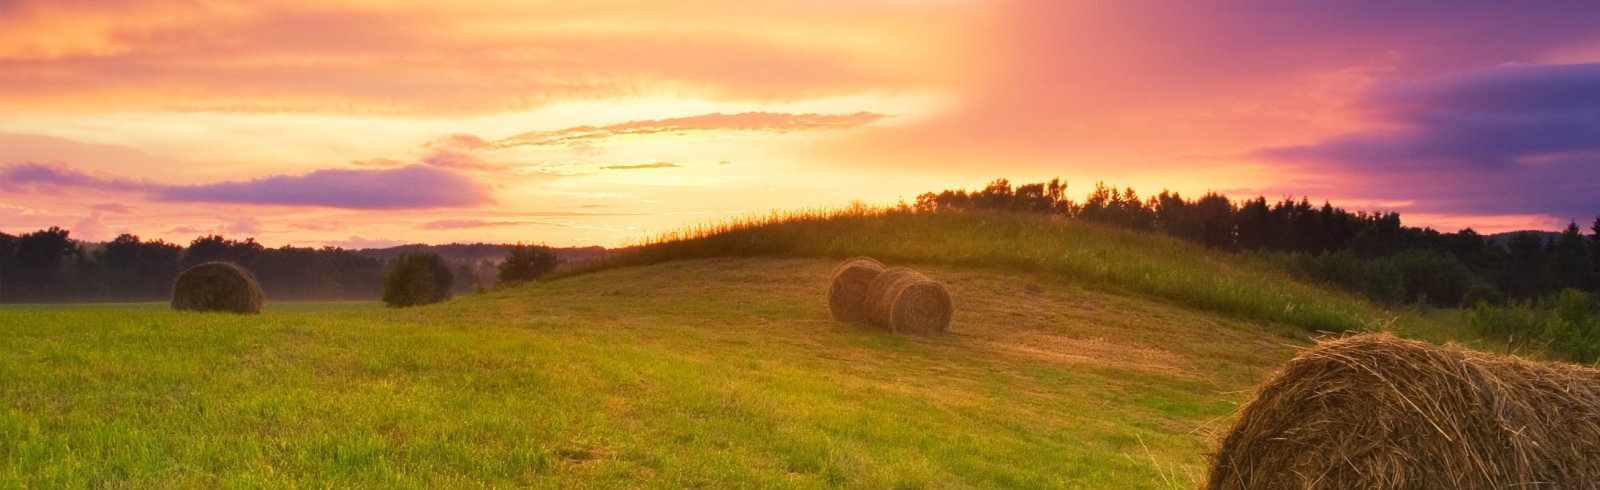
1063,368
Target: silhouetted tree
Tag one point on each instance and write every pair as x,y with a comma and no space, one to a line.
1254,224
1524,274
1032,198
8,265
994,197
1432,277
1215,213
466,280
1468,247
1569,260
1056,190
527,263
1177,217
133,269
37,261
417,279
1594,252
215,247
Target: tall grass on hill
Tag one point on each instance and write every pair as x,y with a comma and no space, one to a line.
1097,257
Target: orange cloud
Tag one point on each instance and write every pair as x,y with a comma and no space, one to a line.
354,59
642,166
745,122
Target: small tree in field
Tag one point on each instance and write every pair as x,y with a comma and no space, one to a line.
527,262
417,279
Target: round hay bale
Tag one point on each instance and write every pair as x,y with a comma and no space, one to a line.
217,286
847,287
921,307
903,300
1378,412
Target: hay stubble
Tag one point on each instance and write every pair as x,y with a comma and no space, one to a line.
1378,412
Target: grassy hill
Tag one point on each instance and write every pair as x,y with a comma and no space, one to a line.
1078,357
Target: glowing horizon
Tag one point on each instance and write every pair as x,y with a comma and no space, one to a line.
373,123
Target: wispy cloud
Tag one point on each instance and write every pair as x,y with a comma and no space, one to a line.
642,166
409,187
770,122
318,226
112,207
457,224
357,243
7,208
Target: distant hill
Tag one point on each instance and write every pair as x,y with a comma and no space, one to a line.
1502,239
481,251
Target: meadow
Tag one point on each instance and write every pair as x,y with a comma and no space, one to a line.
1078,357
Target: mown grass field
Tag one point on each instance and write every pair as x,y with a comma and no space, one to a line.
705,372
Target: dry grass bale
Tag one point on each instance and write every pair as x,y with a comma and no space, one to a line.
217,286
903,300
1378,412
848,286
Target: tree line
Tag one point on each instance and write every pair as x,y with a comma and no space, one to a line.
50,266
1370,253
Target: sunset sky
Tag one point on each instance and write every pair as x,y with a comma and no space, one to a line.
373,123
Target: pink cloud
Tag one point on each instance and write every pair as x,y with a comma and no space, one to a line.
244,225
461,160
112,207
459,141
92,228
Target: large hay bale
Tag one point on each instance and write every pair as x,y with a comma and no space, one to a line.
217,286
903,300
847,287
1378,412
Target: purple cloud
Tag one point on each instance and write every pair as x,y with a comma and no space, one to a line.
410,187
44,177
1503,140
